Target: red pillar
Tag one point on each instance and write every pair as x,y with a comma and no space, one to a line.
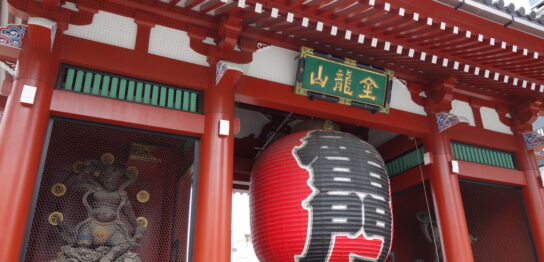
212,236
534,203
22,134
447,198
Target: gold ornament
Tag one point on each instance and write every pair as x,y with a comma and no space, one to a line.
142,221
328,125
55,218
58,189
78,167
101,234
107,158
143,196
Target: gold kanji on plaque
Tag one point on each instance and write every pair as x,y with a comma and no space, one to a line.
368,85
319,79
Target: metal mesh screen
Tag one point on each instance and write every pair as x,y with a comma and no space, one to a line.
112,194
413,239
496,220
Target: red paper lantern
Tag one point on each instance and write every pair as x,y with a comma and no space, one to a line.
320,196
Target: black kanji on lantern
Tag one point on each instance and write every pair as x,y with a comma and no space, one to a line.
351,193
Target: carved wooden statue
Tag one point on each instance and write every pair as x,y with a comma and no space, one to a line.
103,236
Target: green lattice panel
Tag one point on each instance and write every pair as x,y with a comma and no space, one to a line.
482,155
405,161
129,89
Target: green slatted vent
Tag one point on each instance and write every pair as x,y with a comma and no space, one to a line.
482,155
129,89
405,161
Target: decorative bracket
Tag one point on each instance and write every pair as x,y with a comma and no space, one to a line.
539,154
533,140
220,69
446,120
222,66
231,46
415,92
440,95
13,35
524,114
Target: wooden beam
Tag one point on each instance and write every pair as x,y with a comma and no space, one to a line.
492,174
482,137
128,62
397,146
407,179
9,53
242,168
282,97
110,111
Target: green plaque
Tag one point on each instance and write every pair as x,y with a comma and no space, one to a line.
343,81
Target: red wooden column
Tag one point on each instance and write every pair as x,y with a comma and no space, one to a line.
533,198
447,199
212,235
532,195
22,134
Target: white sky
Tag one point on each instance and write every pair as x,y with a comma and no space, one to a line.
519,3
242,251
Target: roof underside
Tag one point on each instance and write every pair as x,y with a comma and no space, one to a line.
423,40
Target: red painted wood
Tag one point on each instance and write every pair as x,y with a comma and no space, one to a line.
477,115
439,45
110,111
368,20
408,179
212,235
77,51
485,173
242,168
532,194
397,146
482,137
22,135
25,9
281,97
447,198
7,85
470,22
3,101
9,53
142,37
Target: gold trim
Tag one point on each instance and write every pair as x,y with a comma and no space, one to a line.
351,62
348,65
300,91
143,196
78,167
142,222
55,218
107,158
342,100
304,51
390,73
328,125
385,109
58,189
